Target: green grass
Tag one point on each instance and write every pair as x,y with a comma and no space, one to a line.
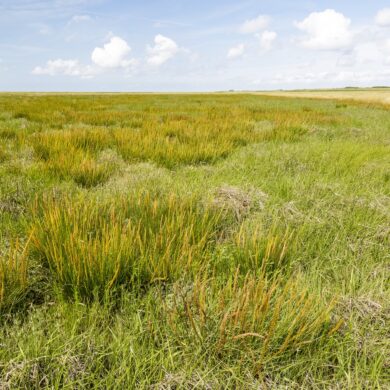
14,281
193,241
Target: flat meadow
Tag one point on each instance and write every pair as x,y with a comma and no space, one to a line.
379,95
194,241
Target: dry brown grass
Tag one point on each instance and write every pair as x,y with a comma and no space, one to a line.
362,95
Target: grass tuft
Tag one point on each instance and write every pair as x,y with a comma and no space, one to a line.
93,247
13,277
256,320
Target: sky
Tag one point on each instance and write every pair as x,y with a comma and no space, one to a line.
192,45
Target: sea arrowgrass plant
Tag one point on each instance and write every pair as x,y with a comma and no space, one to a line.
93,246
13,276
73,155
4,156
256,320
254,252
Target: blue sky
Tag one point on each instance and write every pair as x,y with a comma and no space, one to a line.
187,45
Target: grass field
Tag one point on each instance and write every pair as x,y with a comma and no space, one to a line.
194,241
373,95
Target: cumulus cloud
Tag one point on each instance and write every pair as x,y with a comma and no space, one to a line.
383,17
113,54
267,39
326,30
255,25
65,67
371,52
236,51
164,49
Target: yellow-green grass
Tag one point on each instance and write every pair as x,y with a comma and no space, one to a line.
140,130
3,155
91,247
193,241
13,277
256,319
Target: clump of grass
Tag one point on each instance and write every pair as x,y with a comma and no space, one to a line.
256,252
83,169
253,252
4,156
256,320
21,115
73,155
186,145
92,247
48,144
89,173
13,277
284,133
8,133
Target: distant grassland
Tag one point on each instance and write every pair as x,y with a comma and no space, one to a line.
194,241
373,95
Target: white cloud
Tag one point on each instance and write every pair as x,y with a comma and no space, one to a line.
326,30
65,67
267,39
255,25
113,54
369,52
236,51
383,17
164,49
